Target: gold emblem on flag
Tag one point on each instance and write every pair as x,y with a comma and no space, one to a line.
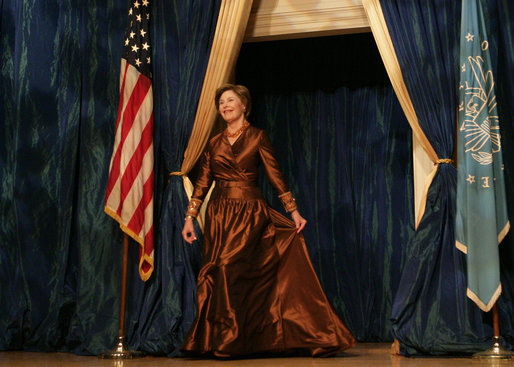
481,127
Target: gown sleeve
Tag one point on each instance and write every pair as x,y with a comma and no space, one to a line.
203,183
274,174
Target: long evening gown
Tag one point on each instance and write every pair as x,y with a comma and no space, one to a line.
257,290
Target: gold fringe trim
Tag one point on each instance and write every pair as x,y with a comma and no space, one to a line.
485,307
504,232
461,247
144,276
501,236
124,228
177,173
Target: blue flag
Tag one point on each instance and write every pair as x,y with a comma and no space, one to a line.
481,221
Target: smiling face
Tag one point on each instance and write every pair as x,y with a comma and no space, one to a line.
230,107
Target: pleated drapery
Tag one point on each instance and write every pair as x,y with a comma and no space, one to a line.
432,285
500,14
181,59
60,254
383,40
230,29
344,146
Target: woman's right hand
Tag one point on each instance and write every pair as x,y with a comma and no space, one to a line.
188,232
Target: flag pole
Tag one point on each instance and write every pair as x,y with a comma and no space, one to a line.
496,351
132,161
120,352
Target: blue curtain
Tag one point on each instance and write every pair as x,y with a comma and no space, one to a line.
345,148
431,313
60,255
339,133
500,14
182,53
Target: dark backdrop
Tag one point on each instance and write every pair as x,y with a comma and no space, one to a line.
345,147
339,133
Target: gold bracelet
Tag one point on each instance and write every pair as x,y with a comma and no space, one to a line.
288,201
189,216
193,208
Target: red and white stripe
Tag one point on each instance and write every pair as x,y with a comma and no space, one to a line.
129,193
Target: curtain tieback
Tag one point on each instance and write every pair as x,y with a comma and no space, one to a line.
444,160
177,173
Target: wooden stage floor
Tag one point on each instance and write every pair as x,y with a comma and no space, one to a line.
364,354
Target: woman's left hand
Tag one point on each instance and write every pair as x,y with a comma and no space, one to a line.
299,221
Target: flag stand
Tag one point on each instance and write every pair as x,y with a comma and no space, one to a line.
120,352
496,351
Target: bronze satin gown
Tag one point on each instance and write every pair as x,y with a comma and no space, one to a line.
257,290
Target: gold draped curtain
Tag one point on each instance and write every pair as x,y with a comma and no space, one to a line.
385,46
228,38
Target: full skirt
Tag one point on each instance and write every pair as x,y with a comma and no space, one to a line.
257,291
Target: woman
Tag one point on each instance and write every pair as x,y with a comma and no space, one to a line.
257,290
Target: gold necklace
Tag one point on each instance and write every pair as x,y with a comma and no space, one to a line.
233,135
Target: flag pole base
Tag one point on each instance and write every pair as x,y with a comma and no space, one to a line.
121,353
495,352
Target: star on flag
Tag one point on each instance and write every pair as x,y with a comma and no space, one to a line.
470,37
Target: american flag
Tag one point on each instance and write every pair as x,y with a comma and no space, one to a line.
129,193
